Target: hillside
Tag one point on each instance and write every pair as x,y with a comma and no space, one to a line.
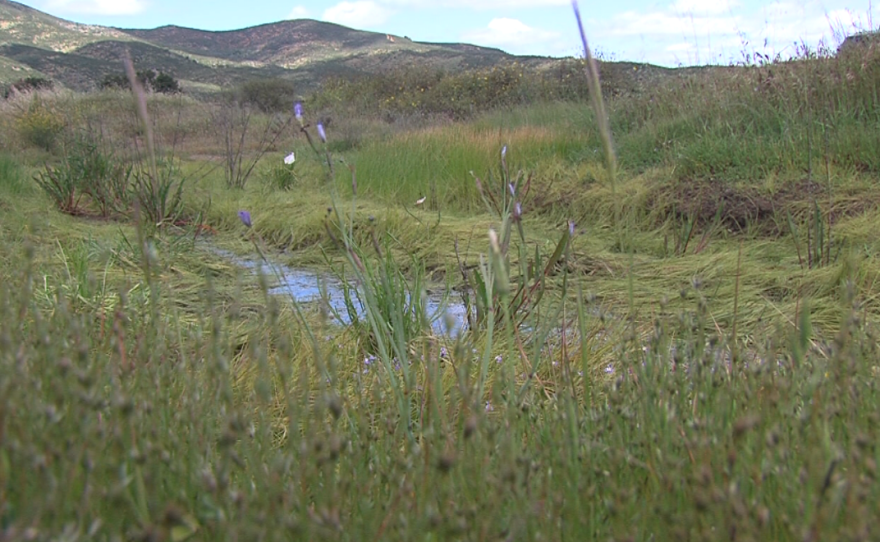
284,43
79,56
22,25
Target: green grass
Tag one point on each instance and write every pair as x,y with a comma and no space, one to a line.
657,389
12,181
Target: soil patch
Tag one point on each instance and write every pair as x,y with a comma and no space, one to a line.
741,207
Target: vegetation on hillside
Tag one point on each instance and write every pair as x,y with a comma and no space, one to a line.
151,80
304,51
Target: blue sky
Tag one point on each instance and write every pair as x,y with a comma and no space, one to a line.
666,32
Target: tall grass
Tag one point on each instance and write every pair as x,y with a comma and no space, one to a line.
437,163
189,421
12,182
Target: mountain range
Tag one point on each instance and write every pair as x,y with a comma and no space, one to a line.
78,56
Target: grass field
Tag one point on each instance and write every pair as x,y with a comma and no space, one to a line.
684,346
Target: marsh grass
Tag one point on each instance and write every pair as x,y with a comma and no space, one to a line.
151,391
12,181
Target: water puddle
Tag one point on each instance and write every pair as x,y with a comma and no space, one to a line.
305,285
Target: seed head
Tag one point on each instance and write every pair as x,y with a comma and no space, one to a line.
470,426
493,241
446,461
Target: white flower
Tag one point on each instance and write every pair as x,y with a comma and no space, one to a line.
289,159
421,200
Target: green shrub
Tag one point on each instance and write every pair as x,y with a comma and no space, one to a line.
117,81
28,84
152,80
268,95
40,125
165,84
436,92
88,179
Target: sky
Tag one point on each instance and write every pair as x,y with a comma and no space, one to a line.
663,32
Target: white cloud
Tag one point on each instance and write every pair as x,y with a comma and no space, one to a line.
478,4
702,7
679,47
98,7
359,14
633,23
511,34
723,31
298,12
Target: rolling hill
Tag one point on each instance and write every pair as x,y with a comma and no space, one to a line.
33,43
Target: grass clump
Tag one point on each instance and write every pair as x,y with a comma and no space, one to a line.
89,170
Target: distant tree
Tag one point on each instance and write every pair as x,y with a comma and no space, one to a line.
28,84
115,81
166,84
269,95
152,81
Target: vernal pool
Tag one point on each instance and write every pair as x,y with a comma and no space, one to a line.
308,286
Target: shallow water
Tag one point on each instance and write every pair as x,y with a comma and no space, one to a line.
305,286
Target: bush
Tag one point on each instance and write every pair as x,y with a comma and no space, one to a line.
268,95
40,125
152,81
115,81
166,84
28,84
238,123
429,91
89,178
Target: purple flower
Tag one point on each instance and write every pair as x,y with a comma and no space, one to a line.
517,210
245,217
571,227
489,407
321,133
298,111
499,358
504,152
512,189
367,362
